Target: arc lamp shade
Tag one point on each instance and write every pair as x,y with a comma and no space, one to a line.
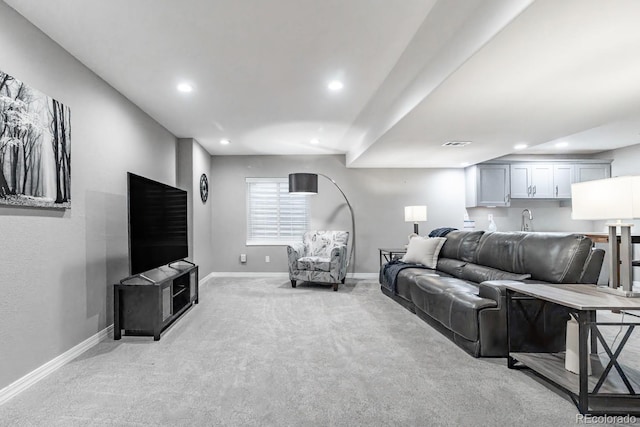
303,183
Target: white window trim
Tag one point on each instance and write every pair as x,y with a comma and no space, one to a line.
266,241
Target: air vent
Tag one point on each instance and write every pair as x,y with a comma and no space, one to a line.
456,143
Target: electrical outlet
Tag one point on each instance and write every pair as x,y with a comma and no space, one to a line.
243,257
490,217
267,258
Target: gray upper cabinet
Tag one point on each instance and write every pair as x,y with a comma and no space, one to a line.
562,180
542,180
488,185
532,180
495,184
520,181
589,172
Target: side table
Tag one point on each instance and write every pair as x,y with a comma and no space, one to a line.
599,393
387,254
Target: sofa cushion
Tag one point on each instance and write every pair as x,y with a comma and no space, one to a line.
461,245
550,257
432,295
480,273
451,266
424,251
500,250
407,276
314,263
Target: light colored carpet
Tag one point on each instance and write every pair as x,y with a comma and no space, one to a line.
257,352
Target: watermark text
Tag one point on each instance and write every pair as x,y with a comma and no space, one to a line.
605,419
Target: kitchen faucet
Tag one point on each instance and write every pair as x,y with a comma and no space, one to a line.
524,225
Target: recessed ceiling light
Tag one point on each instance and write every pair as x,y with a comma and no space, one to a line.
184,88
225,142
562,144
335,85
315,141
520,146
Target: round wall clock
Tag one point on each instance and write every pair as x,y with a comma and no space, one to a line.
204,188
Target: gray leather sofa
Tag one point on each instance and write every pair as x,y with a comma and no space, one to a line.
464,296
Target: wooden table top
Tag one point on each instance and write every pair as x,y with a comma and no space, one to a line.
578,296
603,237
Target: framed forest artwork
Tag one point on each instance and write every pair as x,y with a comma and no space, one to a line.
35,147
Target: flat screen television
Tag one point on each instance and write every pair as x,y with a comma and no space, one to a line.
157,224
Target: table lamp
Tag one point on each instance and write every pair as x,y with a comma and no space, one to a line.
612,199
415,214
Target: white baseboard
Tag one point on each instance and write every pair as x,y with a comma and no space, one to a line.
204,279
248,274
365,276
279,275
43,371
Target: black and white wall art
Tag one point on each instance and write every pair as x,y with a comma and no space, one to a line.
35,147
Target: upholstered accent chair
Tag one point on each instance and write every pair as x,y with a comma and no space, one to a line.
321,257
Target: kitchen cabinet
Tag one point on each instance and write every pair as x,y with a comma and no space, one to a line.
495,184
552,180
562,180
532,180
591,171
488,185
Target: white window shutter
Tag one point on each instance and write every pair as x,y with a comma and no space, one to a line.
274,216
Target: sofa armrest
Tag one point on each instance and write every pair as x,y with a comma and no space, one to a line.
546,334
337,251
495,290
294,252
338,262
493,321
592,267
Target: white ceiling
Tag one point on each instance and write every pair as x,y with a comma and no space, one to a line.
417,73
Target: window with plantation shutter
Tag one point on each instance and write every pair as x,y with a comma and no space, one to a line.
275,217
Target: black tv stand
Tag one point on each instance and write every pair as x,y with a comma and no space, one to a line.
171,264
147,303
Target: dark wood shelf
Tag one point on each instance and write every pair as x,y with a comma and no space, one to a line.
551,366
614,396
180,291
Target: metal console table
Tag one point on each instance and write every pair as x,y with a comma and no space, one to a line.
600,393
387,254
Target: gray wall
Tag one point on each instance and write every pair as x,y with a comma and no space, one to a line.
192,161
626,161
202,212
184,181
58,266
378,197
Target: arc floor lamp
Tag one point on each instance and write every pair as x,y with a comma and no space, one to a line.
307,183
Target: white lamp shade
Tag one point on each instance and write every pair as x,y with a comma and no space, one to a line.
609,199
415,213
